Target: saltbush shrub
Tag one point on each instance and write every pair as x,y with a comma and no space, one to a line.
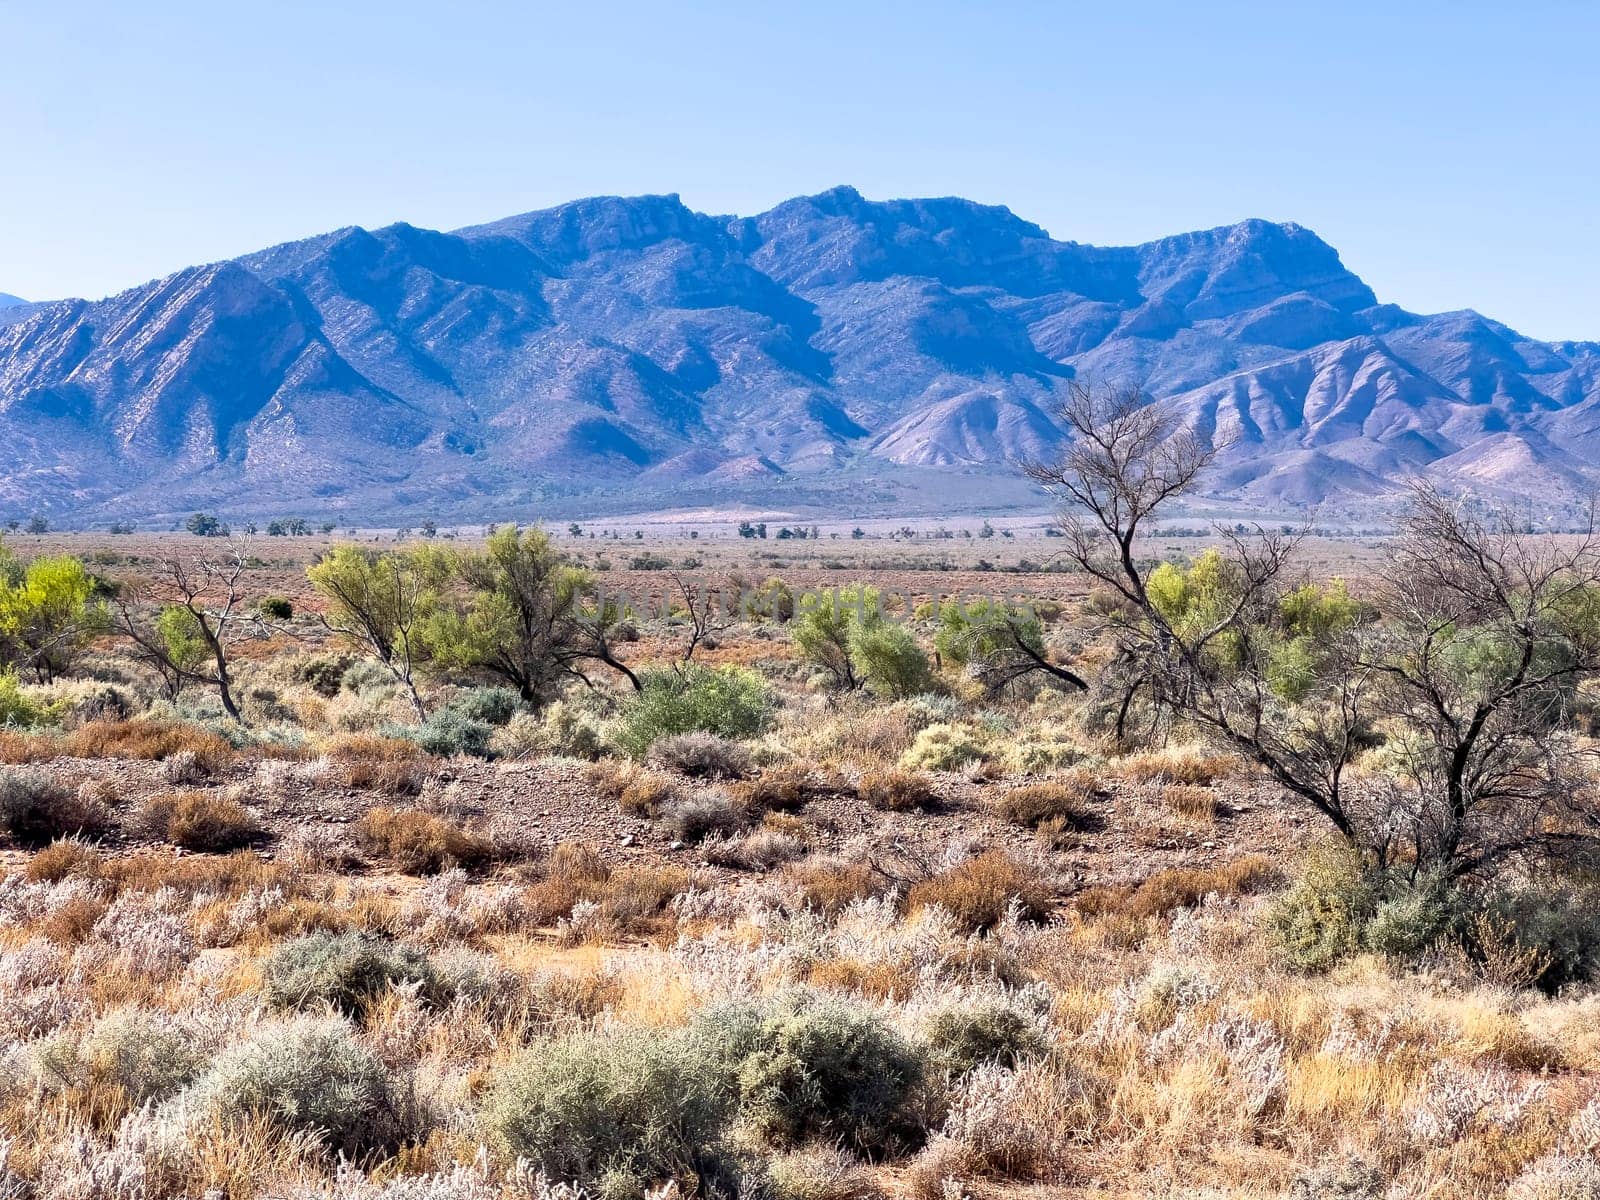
308,1076
490,705
978,1034
346,971
693,817
613,1112
731,702
811,1068
1322,918
36,809
699,755
141,1053
943,748
449,733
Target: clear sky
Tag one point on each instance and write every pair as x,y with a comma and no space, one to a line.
1450,151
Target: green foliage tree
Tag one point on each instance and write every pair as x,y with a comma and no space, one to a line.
49,613
381,604
998,643
524,614
845,632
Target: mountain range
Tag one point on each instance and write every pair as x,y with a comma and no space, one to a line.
617,354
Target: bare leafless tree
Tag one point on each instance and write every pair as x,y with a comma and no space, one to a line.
1463,668
1487,632
185,620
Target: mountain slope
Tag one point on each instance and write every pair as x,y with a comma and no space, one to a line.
629,352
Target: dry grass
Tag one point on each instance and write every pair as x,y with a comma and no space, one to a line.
1184,764
1190,800
421,843
1064,802
1181,887
979,891
368,762
781,788
896,790
828,885
199,821
148,740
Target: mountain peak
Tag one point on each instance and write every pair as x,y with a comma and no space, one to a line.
629,351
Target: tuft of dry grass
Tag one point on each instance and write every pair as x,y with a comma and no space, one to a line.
896,790
371,763
148,740
829,885
978,892
1191,800
780,788
421,843
1180,764
1064,801
66,856
1179,887
199,821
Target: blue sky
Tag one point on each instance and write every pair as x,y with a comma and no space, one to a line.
1449,151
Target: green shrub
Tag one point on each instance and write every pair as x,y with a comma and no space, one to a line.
612,1112
1412,915
820,1173
141,1052
987,1032
731,702
347,971
322,673
19,710
309,1076
812,1068
943,748
489,705
1560,929
1324,916
276,608
448,733
889,661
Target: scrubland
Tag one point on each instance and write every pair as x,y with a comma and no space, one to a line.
778,924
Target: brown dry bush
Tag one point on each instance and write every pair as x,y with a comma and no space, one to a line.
420,843
66,856
978,891
199,821
1185,765
222,875
632,898
829,885
1190,800
647,793
896,791
27,747
1179,887
780,788
1065,800
148,740
372,763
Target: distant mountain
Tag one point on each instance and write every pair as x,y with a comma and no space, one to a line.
629,353
7,300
